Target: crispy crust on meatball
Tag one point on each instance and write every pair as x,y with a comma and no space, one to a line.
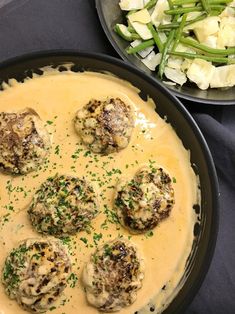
144,201
113,275
24,141
105,126
63,205
35,273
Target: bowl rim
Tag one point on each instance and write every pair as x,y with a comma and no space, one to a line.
123,56
181,108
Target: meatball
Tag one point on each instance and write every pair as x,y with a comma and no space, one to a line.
142,202
63,205
113,275
35,273
24,141
105,126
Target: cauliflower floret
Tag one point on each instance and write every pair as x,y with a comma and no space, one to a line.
174,62
175,75
142,30
128,5
226,34
201,72
158,16
211,41
152,60
203,29
141,16
223,76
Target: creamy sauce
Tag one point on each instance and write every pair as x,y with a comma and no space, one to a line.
56,97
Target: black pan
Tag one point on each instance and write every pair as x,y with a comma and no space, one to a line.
167,105
110,13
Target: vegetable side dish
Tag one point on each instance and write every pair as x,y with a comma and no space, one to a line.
183,40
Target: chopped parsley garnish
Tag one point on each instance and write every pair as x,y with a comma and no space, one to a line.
76,154
107,250
57,150
72,280
149,234
111,215
84,240
52,308
87,153
97,237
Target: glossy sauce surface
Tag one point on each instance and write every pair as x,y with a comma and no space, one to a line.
56,97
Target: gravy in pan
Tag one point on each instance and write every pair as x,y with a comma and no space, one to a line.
56,97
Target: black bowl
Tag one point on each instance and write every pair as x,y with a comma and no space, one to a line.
184,125
110,13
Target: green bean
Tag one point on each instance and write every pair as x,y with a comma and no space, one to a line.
179,31
197,19
182,2
217,7
145,44
176,25
134,35
215,12
168,26
215,51
166,48
219,1
171,6
150,4
165,52
156,37
131,12
183,10
131,29
207,58
205,5
192,9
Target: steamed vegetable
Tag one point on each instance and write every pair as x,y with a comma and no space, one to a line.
183,39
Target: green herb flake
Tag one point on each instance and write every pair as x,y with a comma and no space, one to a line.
107,250
72,280
111,215
97,237
87,153
57,149
84,240
52,308
149,234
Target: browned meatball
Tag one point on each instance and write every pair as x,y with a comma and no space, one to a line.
105,126
113,275
63,205
142,202
24,141
35,273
